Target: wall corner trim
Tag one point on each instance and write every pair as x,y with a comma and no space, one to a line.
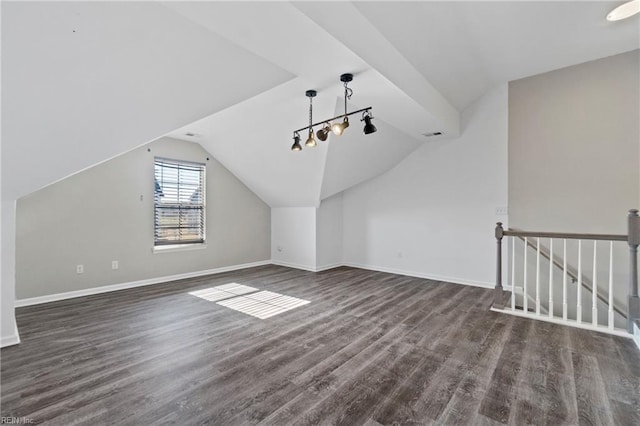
328,266
105,289
294,265
307,267
10,340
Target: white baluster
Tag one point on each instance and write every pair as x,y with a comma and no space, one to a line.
550,277
579,290
525,301
611,286
564,279
513,273
594,288
538,277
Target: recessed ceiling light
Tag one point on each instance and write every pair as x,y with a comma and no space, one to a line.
191,135
624,11
432,134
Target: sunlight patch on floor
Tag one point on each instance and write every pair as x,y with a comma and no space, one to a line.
221,292
250,301
263,304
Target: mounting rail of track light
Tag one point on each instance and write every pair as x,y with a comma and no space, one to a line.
332,125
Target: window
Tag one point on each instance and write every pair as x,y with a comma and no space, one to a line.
179,202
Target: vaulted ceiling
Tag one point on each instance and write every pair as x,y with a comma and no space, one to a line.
85,81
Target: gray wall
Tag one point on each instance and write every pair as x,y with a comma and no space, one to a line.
574,147
574,161
105,213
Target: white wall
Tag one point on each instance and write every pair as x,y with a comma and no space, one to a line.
293,237
329,236
308,238
433,215
105,213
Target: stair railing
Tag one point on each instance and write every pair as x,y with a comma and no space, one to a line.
633,302
572,273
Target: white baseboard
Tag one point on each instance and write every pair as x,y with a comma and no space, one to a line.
294,265
12,339
454,280
105,289
636,335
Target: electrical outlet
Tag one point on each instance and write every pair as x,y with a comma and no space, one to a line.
114,264
80,269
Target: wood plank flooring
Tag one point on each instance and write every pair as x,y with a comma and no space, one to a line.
371,348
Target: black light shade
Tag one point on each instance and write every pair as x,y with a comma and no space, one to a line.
296,143
368,125
324,132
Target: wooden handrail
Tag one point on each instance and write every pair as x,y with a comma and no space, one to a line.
561,235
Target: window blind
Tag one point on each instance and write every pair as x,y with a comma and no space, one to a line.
179,202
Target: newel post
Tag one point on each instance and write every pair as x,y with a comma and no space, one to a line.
634,242
498,297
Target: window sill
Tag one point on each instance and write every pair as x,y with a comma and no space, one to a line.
177,247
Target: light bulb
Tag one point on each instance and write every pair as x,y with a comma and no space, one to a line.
338,128
624,11
311,142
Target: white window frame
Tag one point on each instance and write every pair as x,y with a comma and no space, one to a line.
181,207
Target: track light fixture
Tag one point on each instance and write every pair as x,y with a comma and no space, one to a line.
335,125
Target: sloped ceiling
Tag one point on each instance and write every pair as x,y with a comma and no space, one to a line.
83,82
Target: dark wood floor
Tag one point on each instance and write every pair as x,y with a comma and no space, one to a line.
371,348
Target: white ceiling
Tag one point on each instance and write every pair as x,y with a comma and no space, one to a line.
464,48
86,81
